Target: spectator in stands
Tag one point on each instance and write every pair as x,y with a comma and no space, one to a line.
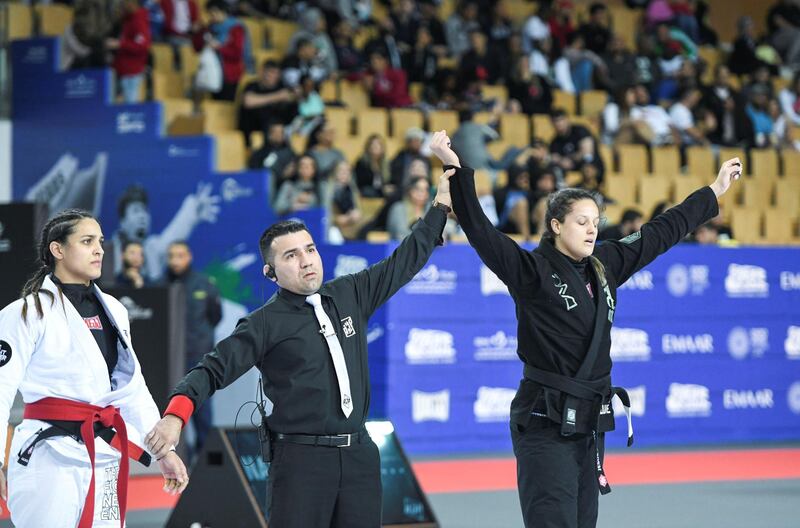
560,24
761,80
477,64
617,124
535,28
684,18
648,71
181,19
372,170
530,90
342,203
653,124
782,134
406,23
399,168
301,192
514,201
631,222
412,207
537,160
722,100
673,44
499,29
421,61
321,147
760,119
276,156
706,234
789,99
83,42
227,36
303,62
576,69
471,139
573,145
387,86
708,37
312,28
724,232
621,65
385,44
131,50
429,17
595,32
682,115
658,12
131,275
265,101
743,59
659,208
783,26
310,108
349,59
356,12
459,25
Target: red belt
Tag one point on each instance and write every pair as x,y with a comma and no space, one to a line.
88,415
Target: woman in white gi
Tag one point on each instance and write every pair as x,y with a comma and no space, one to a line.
66,346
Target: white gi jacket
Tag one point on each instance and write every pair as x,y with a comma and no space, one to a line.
57,356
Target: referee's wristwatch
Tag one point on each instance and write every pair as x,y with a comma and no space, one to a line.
445,208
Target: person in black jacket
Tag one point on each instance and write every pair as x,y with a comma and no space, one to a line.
565,296
310,343
203,312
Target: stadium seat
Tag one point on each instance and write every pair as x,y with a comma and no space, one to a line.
666,161
230,154
700,161
262,55
498,92
543,127
353,96
787,196
402,119
378,237
53,19
278,33
746,225
415,90
625,23
607,155
443,120
565,101
726,153
593,102
341,119
515,129
173,108
189,60
763,164
299,143
653,190
393,146
590,123
712,56
684,185
163,57
372,121
621,188
779,227
756,194
19,20
167,85
633,160
255,30
371,206
791,164
256,140
219,115
351,146
329,91
484,118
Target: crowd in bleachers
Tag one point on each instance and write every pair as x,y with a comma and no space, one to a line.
638,101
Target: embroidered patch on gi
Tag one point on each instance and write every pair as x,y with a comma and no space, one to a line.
633,237
93,322
348,327
5,353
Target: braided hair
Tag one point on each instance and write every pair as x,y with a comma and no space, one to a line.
57,229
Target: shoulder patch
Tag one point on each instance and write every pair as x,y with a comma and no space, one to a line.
633,237
5,353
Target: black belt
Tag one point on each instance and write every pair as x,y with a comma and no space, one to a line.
341,440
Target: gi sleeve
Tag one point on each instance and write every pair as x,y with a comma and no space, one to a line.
230,359
380,281
18,340
512,264
625,257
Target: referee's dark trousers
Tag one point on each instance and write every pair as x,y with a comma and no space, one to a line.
318,486
555,476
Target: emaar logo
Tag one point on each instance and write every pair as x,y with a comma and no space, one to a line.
641,280
429,347
743,342
789,281
686,400
687,344
80,87
349,264
131,123
430,406
434,281
497,347
493,404
747,399
491,283
744,280
683,280
629,344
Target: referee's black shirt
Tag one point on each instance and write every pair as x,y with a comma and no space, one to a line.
283,340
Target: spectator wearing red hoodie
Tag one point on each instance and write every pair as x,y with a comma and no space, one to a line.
388,87
181,19
226,35
132,49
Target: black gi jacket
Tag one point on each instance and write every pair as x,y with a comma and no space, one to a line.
553,334
282,338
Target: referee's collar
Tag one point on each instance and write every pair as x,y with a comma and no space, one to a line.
297,300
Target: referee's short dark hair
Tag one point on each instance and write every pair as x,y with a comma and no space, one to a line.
284,227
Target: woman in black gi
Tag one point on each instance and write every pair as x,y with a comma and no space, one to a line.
565,297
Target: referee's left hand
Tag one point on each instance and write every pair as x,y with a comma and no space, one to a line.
164,436
174,471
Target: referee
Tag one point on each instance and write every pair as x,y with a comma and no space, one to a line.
310,343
